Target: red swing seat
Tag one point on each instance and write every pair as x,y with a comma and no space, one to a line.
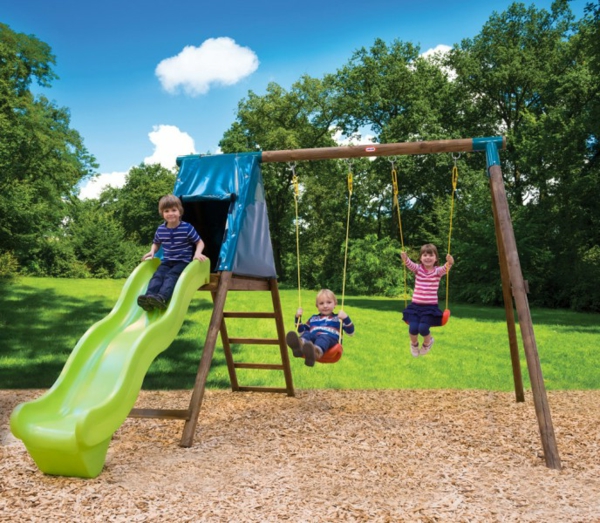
445,318
333,355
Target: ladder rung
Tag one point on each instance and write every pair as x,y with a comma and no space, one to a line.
232,314
270,366
159,413
261,389
255,341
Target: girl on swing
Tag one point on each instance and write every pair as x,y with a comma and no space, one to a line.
321,332
423,311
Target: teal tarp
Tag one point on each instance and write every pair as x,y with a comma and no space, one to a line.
246,249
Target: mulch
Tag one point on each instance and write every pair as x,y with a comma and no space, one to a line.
325,455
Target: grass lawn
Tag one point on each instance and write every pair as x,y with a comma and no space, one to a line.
41,320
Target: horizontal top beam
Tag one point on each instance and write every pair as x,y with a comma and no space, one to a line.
386,149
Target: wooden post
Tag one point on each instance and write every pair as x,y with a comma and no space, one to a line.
214,326
509,311
285,357
507,239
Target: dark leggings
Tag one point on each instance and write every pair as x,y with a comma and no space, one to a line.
416,328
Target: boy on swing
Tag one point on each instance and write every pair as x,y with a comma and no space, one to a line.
321,332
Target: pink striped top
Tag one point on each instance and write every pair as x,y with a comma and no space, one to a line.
426,282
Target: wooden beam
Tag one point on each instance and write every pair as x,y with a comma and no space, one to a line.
509,244
386,149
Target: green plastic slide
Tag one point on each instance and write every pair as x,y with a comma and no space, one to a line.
67,430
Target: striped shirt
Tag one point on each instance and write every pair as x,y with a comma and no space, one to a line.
426,282
329,325
178,243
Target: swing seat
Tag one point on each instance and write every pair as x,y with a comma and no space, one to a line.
445,318
333,355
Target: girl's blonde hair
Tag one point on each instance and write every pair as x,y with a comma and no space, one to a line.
325,293
430,248
168,202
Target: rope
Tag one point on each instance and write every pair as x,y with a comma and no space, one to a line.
454,184
296,186
397,205
350,188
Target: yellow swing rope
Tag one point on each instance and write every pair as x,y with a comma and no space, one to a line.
454,184
296,187
397,205
346,249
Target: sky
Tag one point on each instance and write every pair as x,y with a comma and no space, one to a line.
149,80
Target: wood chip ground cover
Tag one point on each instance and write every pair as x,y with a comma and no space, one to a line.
325,455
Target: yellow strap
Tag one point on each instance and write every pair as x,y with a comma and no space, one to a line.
346,250
454,184
296,186
397,205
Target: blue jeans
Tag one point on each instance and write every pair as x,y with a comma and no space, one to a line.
163,282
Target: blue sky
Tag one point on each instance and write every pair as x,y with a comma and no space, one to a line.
150,80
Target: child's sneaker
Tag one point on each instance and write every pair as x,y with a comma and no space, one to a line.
293,341
158,301
426,348
144,302
308,349
414,349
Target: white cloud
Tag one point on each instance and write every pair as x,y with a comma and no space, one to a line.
217,61
438,52
93,188
169,143
355,139
440,49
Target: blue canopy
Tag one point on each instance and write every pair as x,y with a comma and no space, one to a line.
236,178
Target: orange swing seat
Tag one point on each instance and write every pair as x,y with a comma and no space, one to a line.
333,355
445,318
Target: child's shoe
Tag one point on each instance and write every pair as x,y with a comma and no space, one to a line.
426,348
294,343
414,349
308,349
157,301
318,353
145,303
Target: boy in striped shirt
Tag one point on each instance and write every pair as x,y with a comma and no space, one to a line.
321,332
181,244
423,311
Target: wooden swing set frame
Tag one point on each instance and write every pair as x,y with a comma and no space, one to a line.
514,290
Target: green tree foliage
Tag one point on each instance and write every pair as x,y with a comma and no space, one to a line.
135,205
99,241
41,158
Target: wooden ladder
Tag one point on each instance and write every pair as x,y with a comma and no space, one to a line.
220,284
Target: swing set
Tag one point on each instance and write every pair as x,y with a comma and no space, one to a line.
514,287
223,197
334,354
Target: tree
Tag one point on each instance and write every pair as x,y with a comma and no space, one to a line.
135,205
41,158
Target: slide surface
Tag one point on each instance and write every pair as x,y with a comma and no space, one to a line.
67,430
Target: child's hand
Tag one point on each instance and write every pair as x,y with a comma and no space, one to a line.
299,312
148,256
200,257
403,256
450,260
342,315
